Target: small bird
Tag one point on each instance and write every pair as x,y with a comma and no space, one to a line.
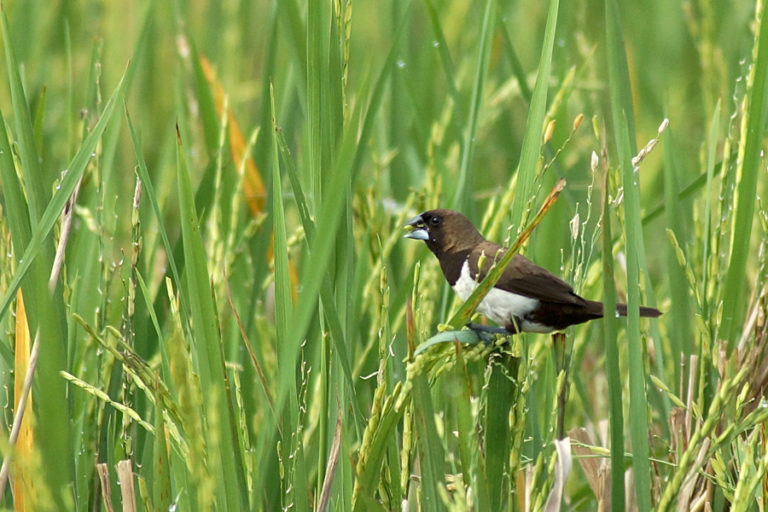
525,298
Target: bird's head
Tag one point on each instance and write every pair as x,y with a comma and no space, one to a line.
444,231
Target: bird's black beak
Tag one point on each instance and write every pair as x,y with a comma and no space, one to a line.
418,231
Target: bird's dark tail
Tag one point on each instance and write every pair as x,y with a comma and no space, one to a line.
621,309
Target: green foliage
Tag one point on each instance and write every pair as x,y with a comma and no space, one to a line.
239,317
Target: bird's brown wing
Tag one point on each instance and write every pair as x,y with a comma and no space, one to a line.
524,277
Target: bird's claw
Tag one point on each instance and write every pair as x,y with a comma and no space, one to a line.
487,333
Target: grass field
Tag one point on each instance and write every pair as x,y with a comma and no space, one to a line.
202,209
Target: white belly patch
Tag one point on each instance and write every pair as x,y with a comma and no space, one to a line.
499,305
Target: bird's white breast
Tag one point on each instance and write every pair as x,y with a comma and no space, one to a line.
498,305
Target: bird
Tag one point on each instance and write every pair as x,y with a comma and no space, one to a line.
526,298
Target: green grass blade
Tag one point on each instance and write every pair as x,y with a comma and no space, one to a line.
292,20
35,182
375,442
45,317
77,167
623,123
638,401
445,57
514,61
283,306
39,118
326,289
618,72
612,370
318,79
15,210
325,123
467,433
223,464
462,196
499,401
283,314
466,336
208,116
161,476
15,205
431,453
534,124
749,164
146,183
686,193
681,311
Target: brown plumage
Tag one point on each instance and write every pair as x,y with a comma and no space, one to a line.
525,298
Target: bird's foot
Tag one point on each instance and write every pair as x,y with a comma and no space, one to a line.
488,333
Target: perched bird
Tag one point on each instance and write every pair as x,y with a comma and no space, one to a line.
525,298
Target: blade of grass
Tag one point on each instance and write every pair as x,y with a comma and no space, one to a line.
343,176
638,401
476,472
224,465
149,192
35,183
534,124
623,125
462,196
612,369
325,113
501,395
39,118
51,214
681,313
290,13
431,453
514,62
446,61
210,119
319,154
466,427
283,313
161,476
377,438
687,192
15,205
618,73
748,168
326,289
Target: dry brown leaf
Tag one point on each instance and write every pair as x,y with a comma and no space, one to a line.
127,490
106,491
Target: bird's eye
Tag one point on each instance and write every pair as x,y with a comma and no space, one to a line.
436,221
